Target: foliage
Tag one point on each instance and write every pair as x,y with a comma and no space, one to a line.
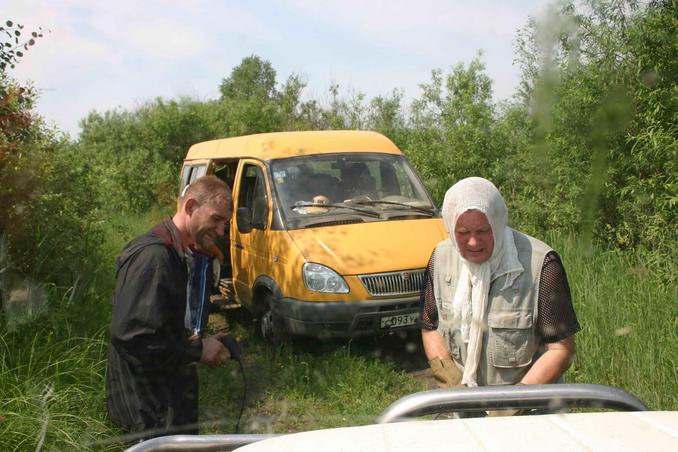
50,223
603,113
51,376
251,102
248,98
646,178
386,115
629,337
10,45
136,155
452,132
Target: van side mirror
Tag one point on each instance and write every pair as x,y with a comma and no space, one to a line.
243,218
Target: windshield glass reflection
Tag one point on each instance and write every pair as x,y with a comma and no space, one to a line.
346,185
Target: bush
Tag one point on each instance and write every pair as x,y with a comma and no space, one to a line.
51,226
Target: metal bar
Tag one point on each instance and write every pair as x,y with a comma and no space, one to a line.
420,280
391,283
551,397
197,442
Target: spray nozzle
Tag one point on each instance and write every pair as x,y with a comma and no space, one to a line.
232,345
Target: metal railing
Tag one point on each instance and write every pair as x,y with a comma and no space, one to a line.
553,397
197,442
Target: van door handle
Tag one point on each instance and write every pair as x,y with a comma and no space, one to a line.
238,245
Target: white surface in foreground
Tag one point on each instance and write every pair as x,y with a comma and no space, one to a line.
656,431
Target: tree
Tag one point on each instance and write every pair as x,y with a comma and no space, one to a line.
249,98
387,115
253,77
49,225
602,111
138,153
452,133
11,44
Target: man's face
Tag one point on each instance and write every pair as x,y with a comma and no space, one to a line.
208,222
473,234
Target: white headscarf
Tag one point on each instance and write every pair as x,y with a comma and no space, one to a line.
473,286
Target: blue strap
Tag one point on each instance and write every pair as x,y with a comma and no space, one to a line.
201,301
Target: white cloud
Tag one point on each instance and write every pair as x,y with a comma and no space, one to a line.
100,55
165,39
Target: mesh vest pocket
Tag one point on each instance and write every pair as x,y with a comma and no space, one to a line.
511,338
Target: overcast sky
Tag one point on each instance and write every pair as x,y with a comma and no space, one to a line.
101,55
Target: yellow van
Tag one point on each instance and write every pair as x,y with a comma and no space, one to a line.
331,234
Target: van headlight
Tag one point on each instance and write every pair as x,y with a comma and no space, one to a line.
319,278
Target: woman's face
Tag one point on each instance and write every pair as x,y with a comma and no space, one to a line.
474,237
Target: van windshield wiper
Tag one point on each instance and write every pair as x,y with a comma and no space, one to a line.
392,203
337,206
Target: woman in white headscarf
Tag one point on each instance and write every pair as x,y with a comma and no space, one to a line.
496,308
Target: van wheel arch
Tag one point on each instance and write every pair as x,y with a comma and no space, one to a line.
271,328
263,286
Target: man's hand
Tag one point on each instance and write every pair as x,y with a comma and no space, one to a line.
214,353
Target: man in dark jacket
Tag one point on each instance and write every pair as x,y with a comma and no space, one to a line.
152,384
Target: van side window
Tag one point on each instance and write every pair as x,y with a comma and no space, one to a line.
191,173
253,195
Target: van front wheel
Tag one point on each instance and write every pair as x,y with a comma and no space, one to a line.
270,324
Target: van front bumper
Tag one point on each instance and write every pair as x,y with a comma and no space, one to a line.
347,319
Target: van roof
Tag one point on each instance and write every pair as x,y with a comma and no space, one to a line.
267,146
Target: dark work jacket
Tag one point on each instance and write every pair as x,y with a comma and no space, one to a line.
151,384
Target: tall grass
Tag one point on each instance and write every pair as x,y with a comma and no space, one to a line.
53,357
628,310
51,381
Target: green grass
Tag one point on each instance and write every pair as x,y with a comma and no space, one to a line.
629,319
307,386
52,390
121,229
52,367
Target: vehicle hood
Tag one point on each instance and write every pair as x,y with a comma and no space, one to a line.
371,247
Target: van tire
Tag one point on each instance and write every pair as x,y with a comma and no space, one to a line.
270,324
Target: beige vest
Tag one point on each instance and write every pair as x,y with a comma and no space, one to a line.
510,343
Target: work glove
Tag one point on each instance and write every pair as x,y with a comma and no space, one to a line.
446,373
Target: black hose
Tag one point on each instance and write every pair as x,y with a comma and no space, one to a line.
236,354
244,395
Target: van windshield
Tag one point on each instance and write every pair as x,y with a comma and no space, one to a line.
317,189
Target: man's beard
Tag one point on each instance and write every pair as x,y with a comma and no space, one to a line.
204,239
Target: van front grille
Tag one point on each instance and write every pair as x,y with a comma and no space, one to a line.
405,282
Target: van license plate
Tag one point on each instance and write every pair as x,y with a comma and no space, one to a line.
396,321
